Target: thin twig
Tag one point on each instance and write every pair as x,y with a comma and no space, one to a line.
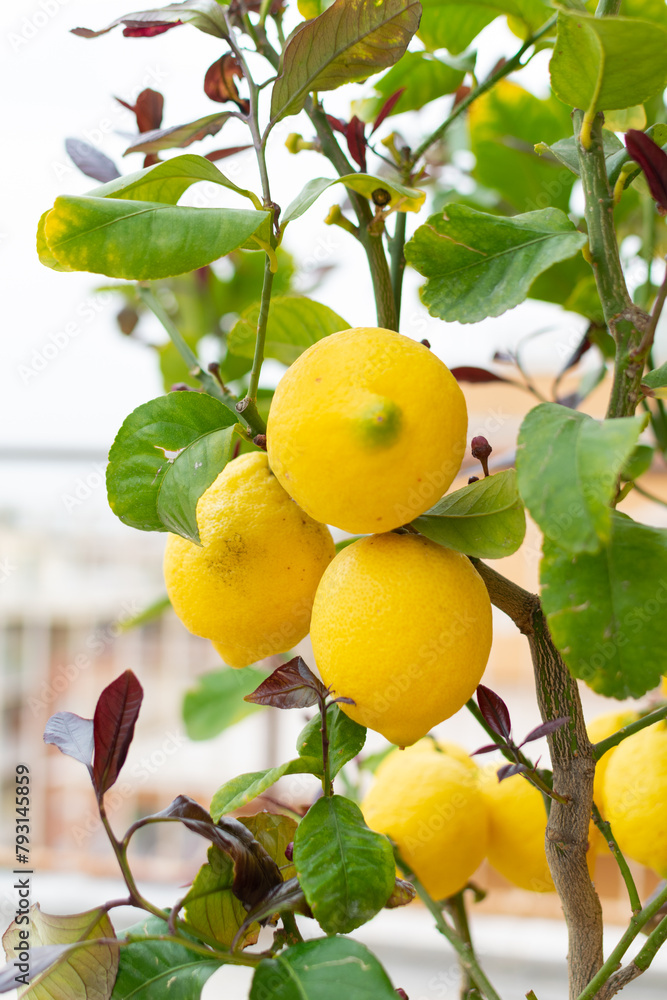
600,749
647,340
605,829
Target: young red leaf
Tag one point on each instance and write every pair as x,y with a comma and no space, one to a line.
470,374
387,108
292,685
337,124
487,748
148,30
494,710
653,161
222,154
72,735
115,715
219,83
546,729
356,141
509,769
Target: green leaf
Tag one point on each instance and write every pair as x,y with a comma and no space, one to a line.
146,445
43,252
152,970
77,974
203,14
178,136
565,150
348,42
424,78
568,466
345,869
275,832
322,969
295,323
640,461
245,787
167,181
144,240
607,612
504,125
211,907
453,26
346,739
485,519
190,475
656,382
605,63
480,265
216,703
402,198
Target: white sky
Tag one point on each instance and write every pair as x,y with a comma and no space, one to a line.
57,85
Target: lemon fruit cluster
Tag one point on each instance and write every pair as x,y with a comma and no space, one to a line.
250,585
367,429
429,802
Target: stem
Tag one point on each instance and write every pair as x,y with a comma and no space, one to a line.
647,340
605,829
636,923
573,769
291,928
248,406
650,496
600,749
464,950
396,250
456,907
327,784
120,850
625,321
210,384
513,63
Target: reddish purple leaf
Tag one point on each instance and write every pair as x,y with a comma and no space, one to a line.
387,108
487,748
509,769
288,897
546,729
91,161
469,374
337,124
356,141
72,735
292,685
147,109
220,85
222,154
653,161
148,30
115,715
178,136
494,710
401,993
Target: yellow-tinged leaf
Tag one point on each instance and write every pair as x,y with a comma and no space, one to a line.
625,118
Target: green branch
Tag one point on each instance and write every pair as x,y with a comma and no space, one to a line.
507,68
600,749
605,829
248,407
397,256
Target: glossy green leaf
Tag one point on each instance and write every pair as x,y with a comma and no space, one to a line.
565,150
211,907
568,466
640,461
144,240
245,787
167,181
178,136
656,382
424,77
346,739
346,870
607,612
504,125
607,62
148,441
323,969
216,702
295,323
452,25
153,970
480,265
45,256
203,14
77,974
485,519
190,475
350,41
402,198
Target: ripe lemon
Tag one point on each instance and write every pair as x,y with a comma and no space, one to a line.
517,826
635,793
431,746
431,805
599,729
402,626
250,585
367,429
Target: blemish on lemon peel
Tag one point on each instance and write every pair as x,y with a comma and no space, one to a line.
379,423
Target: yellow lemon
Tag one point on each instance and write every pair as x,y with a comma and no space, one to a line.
367,429
517,826
431,805
250,585
402,626
599,729
431,746
635,796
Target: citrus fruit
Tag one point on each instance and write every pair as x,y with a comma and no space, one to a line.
430,746
430,804
599,729
634,794
367,429
517,826
250,585
402,626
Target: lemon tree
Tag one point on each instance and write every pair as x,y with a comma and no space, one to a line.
367,433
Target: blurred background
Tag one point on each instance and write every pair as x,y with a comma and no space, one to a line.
78,357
